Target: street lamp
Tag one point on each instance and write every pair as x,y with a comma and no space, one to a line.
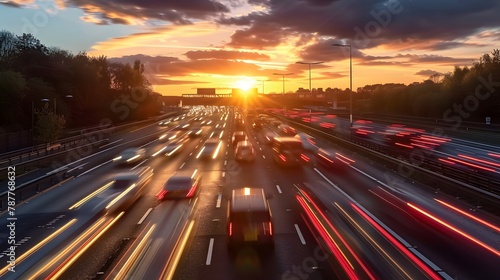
309,63
283,75
263,81
350,78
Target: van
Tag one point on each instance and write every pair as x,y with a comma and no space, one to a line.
249,219
288,151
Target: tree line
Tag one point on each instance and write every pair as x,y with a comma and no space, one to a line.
74,90
471,93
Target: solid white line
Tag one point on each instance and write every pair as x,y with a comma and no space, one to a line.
182,165
219,200
210,248
300,234
144,216
279,189
95,167
77,167
138,164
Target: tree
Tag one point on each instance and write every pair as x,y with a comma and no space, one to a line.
49,126
12,92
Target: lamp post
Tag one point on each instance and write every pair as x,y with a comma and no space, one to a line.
283,75
350,78
309,63
263,81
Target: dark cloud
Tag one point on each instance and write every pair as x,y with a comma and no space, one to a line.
123,11
260,35
428,73
11,4
161,81
434,59
368,23
226,54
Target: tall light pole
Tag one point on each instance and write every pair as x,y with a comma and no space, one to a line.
283,75
309,63
350,78
263,81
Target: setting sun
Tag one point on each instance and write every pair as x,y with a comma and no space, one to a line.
245,84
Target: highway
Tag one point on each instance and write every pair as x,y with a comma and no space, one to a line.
353,220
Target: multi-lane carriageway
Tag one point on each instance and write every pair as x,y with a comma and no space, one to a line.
329,223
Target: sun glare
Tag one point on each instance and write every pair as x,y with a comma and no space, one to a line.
245,84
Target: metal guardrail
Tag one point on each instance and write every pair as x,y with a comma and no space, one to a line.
27,155
31,188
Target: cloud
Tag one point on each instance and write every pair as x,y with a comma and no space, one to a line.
135,11
226,54
366,23
428,73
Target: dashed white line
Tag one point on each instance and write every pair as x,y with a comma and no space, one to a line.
225,162
182,165
210,249
263,156
219,200
144,216
302,240
279,189
95,167
223,174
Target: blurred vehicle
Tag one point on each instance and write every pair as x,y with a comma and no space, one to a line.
180,186
164,122
239,121
287,130
257,124
238,136
210,149
269,136
194,132
171,134
130,156
175,146
308,142
244,151
326,157
127,187
249,218
288,151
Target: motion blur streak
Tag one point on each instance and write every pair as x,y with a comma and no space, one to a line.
469,215
494,155
446,161
339,255
471,164
127,267
83,248
480,160
403,249
173,260
39,245
478,242
88,197
117,198
372,241
344,158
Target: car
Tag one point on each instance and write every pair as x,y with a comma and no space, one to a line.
286,130
127,187
308,142
249,219
171,135
131,156
288,151
238,136
244,151
180,186
194,132
210,149
175,146
164,122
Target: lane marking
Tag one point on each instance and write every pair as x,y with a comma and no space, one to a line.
219,200
210,249
182,165
302,240
279,189
95,167
144,216
223,174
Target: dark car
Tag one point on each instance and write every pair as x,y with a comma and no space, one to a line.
238,136
180,186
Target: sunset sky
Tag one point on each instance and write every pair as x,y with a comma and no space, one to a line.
187,44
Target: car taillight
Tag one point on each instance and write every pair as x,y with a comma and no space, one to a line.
304,157
230,228
270,228
192,190
282,157
161,194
